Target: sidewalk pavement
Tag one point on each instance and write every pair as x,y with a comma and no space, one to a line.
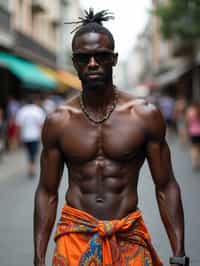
12,164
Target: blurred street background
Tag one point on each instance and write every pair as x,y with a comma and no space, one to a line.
159,59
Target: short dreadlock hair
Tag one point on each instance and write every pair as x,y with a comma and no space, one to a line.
91,22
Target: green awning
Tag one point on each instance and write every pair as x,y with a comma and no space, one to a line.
28,73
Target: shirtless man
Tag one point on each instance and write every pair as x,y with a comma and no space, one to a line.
104,137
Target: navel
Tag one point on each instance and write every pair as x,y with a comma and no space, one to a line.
99,200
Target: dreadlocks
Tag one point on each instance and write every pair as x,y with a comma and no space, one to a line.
91,22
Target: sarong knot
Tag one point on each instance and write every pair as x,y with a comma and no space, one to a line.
106,228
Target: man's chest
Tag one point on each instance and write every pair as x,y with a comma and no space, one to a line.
115,139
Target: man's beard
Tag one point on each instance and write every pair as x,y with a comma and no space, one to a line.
96,83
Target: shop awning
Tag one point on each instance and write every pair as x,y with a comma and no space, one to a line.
70,79
28,73
173,75
61,87
64,79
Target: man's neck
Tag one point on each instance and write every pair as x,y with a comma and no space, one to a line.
98,99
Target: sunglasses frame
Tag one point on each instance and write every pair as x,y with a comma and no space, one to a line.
95,55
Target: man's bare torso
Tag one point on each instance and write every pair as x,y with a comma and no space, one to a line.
104,160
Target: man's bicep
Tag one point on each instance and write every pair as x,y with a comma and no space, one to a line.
157,150
159,160
51,169
51,161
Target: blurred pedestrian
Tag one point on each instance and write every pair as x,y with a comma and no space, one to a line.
180,119
48,105
11,132
11,128
193,129
30,119
167,104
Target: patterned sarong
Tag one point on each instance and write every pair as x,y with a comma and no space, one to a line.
83,240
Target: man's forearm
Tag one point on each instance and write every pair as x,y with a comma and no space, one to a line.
171,210
44,218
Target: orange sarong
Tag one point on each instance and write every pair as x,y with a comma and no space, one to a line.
83,240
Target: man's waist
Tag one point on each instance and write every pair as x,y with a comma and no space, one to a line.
72,217
107,206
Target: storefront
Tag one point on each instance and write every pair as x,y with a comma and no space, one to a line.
20,76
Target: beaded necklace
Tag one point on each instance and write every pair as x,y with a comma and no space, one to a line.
105,116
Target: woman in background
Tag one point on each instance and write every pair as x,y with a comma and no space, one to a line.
193,128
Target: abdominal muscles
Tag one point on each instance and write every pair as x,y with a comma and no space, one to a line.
104,188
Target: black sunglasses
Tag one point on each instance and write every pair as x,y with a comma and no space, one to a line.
101,57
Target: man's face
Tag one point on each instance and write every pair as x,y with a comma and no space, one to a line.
93,59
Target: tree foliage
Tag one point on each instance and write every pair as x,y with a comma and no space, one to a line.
180,18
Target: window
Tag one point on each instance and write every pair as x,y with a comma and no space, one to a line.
4,4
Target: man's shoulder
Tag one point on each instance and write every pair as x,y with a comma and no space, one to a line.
62,114
139,106
147,114
145,109
152,118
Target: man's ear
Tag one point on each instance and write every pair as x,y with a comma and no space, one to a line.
115,59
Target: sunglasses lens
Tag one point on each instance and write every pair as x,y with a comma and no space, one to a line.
104,57
82,58
100,57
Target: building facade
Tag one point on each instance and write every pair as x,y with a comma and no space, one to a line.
6,38
174,70
32,36
35,26
161,62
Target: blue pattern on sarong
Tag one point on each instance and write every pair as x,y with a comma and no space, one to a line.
94,253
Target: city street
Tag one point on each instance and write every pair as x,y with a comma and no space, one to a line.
17,196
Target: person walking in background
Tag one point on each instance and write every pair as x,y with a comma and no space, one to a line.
167,104
179,115
48,104
29,120
193,129
11,127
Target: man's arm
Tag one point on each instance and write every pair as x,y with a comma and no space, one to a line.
46,196
167,189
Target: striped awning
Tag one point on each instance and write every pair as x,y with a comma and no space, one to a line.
65,79
70,79
28,73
